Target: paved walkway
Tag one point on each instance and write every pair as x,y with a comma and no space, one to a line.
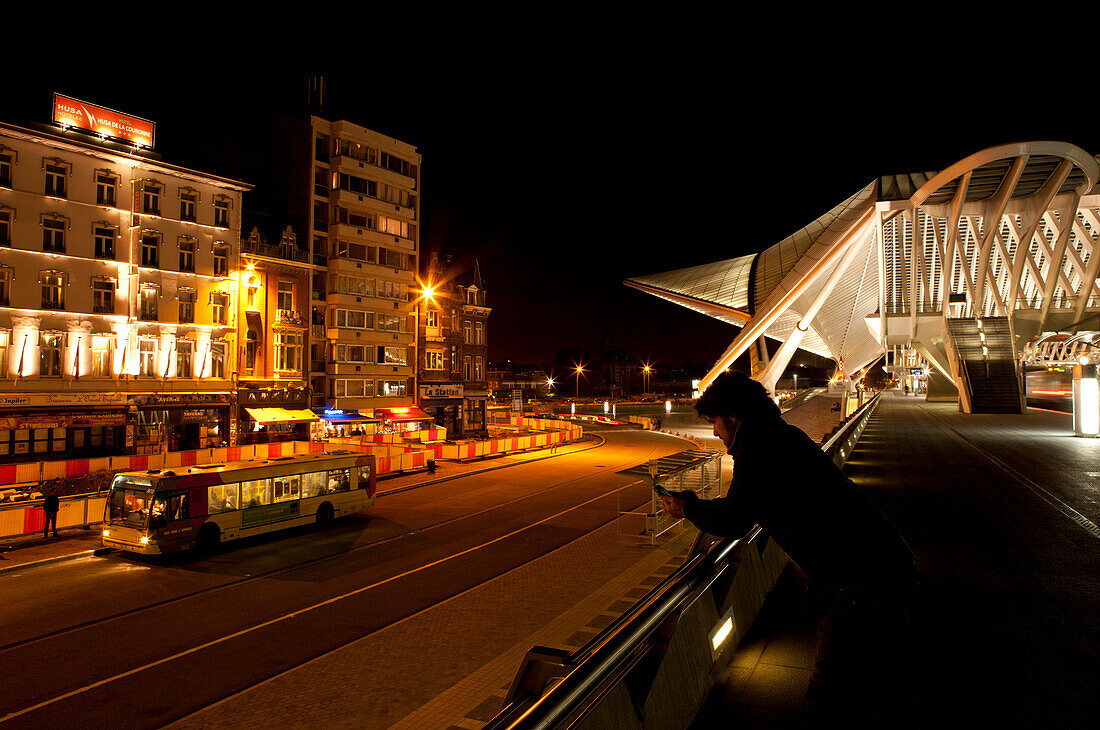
1002,512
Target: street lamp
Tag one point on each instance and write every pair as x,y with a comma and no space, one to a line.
646,370
580,369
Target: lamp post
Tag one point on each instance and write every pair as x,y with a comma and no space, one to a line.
645,378
427,294
580,369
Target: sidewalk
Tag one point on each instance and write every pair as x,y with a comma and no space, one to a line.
27,551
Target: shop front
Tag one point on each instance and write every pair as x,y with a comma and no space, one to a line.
443,402
46,426
177,422
474,412
405,418
269,413
342,422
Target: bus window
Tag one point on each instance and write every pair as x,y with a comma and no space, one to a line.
222,498
157,518
288,487
254,494
313,485
339,480
129,505
364,477
179,505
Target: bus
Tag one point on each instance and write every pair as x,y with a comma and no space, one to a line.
165,510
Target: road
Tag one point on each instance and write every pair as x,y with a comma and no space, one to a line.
135,642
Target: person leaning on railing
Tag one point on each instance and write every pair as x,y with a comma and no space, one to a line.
861,570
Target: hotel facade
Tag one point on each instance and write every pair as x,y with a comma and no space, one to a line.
119,297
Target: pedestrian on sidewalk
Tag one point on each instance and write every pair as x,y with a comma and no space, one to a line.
858,564
51,505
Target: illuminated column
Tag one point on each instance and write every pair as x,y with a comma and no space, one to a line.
24,347
201,358
166,354
1086,400
78,353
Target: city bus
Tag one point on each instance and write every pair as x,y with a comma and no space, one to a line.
164,510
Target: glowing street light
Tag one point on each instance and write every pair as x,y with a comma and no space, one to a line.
580,369
646,370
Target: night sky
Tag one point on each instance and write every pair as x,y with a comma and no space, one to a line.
564,171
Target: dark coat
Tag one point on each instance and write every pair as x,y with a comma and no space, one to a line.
784,482
51,503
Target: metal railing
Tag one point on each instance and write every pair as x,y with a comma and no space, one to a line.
621,667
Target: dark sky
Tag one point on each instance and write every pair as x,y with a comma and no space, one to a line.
564,170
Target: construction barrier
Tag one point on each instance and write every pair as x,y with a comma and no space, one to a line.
28,518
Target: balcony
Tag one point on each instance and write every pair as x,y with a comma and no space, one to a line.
280,251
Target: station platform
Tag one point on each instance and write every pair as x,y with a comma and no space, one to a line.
1002,511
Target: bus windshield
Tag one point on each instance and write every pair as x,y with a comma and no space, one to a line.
129,500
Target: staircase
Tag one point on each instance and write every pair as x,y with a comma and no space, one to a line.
985,364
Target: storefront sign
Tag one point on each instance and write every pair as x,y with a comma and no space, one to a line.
62,420
69,112
441,390
169,399
62,399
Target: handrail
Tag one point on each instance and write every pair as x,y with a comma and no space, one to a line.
620,645
838,447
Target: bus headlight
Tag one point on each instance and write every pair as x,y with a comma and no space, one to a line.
106,533
144,540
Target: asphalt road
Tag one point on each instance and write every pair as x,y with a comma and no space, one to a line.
126,641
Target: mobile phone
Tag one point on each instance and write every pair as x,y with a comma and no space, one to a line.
662,491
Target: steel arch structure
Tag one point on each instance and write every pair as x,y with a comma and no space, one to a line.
1010,231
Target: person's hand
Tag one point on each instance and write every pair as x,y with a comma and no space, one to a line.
674,506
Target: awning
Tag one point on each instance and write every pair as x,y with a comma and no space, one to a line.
345,415
281,415
404,414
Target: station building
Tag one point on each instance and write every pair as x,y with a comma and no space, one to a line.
117,291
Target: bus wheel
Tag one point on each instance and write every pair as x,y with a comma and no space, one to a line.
208,538
324,514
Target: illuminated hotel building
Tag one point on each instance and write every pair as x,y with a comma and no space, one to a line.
117,297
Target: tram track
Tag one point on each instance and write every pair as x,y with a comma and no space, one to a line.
288,616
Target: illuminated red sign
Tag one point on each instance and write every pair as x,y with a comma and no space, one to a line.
69,112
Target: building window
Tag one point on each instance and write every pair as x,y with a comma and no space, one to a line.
390,388
104,243
150,198
391,323
150,250
479,334
454,359
150,297
466,333
55,180
53,235
5,227
184,351
285,295
220,303
147,358
103,296
466,363
393,356
49,355
5,169
187,254
221,213
478,368
4,345
288,351
105,189
221,261
187,207
186,298
5,288
433,318
102,352
53,289
217,360
352,388
352,353
433,360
